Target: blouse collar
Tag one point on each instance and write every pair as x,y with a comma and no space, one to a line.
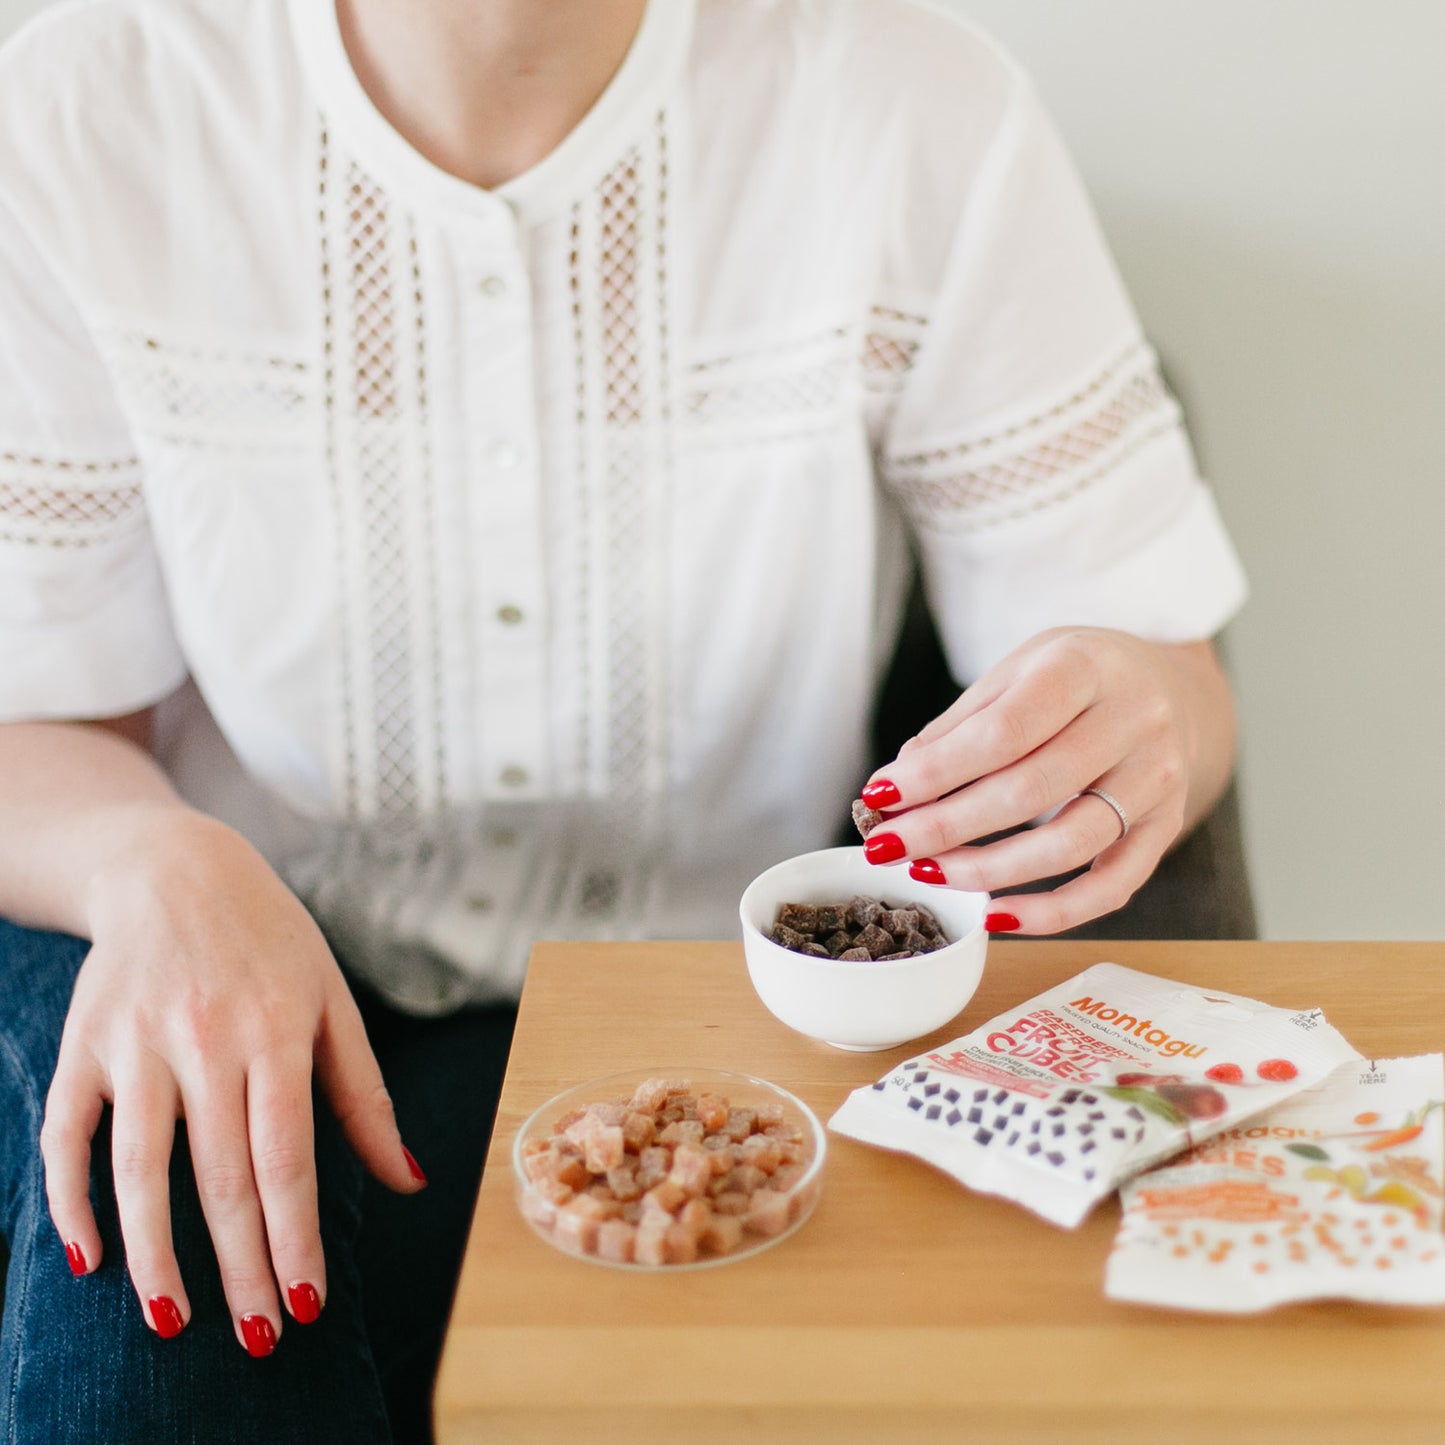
638,90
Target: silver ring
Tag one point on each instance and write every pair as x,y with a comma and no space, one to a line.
1114,803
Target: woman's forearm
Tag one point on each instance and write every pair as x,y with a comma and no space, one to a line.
76,799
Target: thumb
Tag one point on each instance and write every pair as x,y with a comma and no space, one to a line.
351,1080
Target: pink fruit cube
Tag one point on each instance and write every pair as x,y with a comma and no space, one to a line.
575,1230
604,1147
767,1213
616,1241
691,1169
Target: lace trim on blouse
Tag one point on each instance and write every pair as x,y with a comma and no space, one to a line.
795,387
50,501
189,395
1007,474
619,289
375,396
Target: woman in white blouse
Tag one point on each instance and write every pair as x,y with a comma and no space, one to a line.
461,458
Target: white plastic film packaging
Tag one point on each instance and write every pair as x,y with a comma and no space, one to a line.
1058,1101
1334,1194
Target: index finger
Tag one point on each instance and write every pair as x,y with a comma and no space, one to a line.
1034,708
972,699
73,1111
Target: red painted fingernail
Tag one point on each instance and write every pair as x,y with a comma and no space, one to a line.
925,870
416,1169
1000,923
881,794
259,1335
305,1303
884,848
165,1317
76,1257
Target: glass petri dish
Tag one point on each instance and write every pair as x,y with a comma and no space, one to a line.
778,1207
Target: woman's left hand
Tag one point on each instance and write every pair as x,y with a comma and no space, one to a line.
1150,724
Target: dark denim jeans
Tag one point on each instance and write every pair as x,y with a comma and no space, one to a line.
77,1362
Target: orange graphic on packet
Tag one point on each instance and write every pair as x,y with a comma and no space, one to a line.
1367,1173
1233,1201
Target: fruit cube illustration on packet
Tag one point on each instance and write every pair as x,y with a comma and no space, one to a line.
1335,1193
1058,1101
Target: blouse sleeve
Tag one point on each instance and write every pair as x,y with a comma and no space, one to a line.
1033,446
84,625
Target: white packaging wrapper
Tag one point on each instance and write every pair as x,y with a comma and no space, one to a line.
1335,1194
1058,1101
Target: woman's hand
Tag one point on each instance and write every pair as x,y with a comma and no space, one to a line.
210,995
1148,723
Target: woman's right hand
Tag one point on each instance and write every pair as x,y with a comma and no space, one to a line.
210,995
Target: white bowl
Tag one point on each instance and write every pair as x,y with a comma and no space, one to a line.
862,1006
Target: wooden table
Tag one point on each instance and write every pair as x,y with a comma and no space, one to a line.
907,1308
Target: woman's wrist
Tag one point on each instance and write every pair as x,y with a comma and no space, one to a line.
147,851
1207,722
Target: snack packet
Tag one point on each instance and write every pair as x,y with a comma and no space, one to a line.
1335,1194
1058,1101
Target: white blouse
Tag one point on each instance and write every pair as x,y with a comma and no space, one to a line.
521,563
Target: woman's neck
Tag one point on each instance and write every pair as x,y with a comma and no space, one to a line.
486,88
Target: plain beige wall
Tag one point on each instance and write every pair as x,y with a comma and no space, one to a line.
1270,173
